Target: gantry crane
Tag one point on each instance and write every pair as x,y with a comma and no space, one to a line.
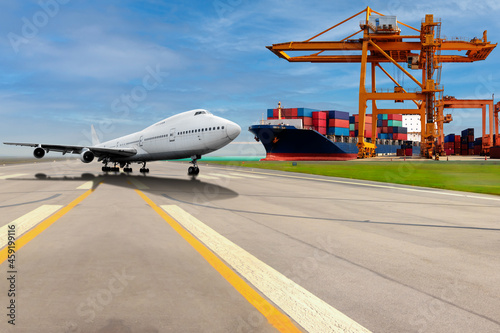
382,42
450,102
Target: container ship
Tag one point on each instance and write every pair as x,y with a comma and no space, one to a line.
302,134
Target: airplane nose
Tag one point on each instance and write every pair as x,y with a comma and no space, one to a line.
232,130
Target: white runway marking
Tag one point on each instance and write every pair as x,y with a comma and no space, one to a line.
409,188
247,175
309,311
12,176
28,221
140,185
206,177
225,175
86,186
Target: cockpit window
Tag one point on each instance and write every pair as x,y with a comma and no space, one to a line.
200,112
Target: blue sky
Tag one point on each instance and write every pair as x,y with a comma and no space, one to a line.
67,64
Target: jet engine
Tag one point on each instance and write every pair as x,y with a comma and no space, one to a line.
39,152
87,156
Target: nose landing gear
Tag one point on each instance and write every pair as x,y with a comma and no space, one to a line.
194,170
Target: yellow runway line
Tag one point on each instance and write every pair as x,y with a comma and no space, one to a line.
275,317
27,237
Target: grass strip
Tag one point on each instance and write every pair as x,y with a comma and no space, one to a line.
477,177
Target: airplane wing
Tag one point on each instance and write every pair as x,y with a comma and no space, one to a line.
98,151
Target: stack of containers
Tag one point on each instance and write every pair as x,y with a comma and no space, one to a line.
457,144
354,125
406,149
338,123
319,121
449,144
351,126
293,113
390,127
478,146
467,142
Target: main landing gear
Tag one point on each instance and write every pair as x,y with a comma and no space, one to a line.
106,168
144,169
194,170
126,167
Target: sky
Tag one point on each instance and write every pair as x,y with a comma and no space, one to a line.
123,65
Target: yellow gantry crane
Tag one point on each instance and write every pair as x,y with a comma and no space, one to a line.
382,42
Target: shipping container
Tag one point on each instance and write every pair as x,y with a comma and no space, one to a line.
333,114
344,123
398,117
339,131
305,112
319,115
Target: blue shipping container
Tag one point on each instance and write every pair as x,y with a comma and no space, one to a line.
338,115
351,120
305,112
269,113
338,131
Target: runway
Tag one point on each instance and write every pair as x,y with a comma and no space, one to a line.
242,250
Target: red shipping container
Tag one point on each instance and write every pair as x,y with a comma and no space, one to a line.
319,115
342,123
351,134
395,117
295,112
319,122
457,138
495,152
409,151
390,129
307,121
321,130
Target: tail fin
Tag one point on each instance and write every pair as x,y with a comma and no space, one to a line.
95,138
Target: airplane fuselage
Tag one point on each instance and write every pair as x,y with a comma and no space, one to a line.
195,132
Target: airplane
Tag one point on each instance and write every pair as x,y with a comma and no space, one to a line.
189,134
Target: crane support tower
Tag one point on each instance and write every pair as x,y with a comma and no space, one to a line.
488,111
382,42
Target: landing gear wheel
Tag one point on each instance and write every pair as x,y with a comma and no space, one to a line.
194,170
143,169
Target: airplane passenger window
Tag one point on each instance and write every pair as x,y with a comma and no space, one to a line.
218,127
222,127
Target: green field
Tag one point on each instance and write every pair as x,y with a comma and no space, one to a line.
478,177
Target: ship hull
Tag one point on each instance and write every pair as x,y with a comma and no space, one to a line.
287,143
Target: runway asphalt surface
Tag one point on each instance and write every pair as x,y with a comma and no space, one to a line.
241,250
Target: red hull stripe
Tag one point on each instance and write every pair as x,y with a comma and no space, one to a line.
308,157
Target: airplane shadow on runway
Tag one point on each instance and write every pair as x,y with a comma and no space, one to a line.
190,189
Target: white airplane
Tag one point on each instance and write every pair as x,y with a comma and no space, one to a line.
186,135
